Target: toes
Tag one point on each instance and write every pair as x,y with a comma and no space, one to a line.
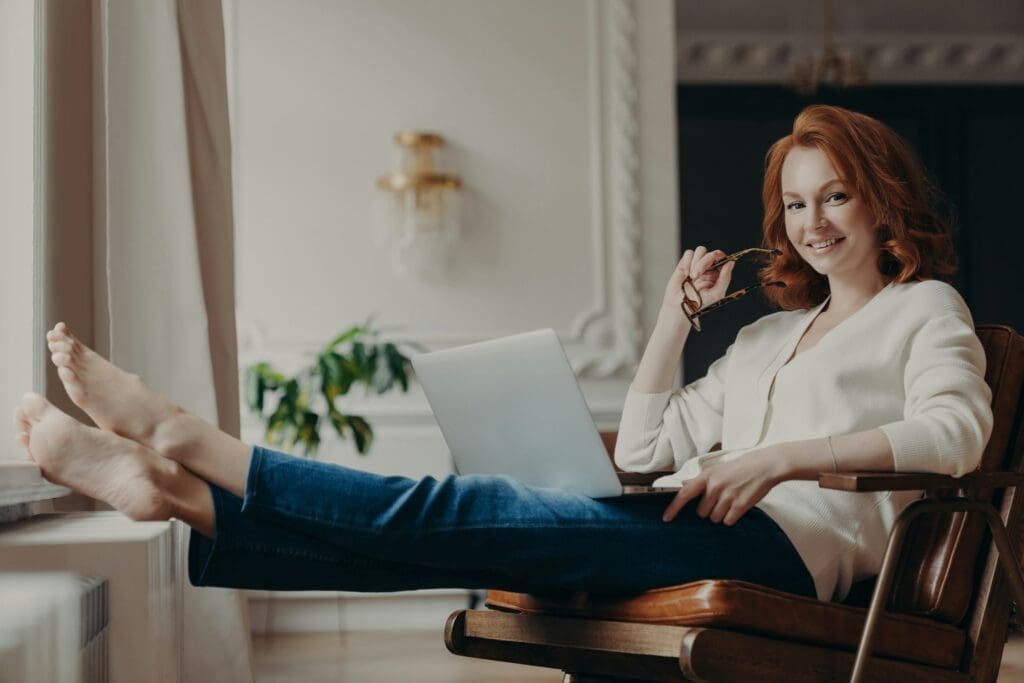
33,406
21,427
60,332
62,346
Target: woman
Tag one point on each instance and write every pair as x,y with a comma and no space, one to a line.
872,365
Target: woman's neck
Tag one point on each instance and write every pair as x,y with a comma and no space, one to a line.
851,291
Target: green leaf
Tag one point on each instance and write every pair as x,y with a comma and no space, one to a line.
398,364
362,432
307,432
278,421
345,336
338,421
291,391
359,355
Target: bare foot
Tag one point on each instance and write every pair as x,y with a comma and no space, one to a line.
99,464
116,401
120,402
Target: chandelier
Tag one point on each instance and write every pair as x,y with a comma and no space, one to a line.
830,67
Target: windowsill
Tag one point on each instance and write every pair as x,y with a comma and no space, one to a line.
21,483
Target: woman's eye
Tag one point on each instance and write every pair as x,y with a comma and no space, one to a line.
794,205
837,196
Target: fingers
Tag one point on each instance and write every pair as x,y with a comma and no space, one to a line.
721,508
708,259
734,514
691,489
707,504
683,267
717,291
698,257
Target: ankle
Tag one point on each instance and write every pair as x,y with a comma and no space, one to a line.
172,437
188,498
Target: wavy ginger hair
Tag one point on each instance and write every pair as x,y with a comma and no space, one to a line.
877,166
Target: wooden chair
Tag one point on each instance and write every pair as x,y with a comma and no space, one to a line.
944,585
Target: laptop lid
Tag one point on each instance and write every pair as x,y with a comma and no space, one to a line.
513,406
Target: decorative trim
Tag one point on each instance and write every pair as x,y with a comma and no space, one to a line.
605,339
888,58
622,329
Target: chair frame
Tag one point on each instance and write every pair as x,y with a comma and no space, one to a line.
664,652
593,650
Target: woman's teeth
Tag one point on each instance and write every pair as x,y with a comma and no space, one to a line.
826,243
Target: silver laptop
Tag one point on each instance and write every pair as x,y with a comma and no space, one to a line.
513,406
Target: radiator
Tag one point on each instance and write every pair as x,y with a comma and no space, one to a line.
128,625
53,628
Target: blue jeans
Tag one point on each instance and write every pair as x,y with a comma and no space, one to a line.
307,525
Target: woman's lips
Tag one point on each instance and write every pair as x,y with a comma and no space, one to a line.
836,241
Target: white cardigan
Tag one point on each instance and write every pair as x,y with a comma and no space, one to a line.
907,362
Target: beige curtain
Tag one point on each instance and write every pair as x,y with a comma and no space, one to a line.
139,230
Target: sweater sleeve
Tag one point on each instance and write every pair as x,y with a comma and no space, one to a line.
947,410
664,430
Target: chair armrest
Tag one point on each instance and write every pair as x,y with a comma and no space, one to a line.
641,478
912,481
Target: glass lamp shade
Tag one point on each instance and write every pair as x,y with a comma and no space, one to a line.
420,226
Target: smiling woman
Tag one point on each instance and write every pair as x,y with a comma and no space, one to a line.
842,168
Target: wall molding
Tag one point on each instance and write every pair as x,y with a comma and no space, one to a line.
605,340
926,58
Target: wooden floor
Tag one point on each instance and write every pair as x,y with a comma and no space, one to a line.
372,656
368,657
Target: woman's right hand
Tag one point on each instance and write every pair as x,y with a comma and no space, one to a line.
712,284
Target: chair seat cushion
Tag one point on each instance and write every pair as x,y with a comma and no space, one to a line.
747,607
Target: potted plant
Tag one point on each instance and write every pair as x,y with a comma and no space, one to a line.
306,400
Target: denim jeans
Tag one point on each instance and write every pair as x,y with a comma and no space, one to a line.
307,525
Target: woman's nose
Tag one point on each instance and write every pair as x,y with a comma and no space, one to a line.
816,218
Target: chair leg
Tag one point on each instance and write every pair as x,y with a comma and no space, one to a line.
1004,551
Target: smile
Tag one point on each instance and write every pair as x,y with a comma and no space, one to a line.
827,243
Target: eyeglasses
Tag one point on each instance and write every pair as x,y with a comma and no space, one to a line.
693,304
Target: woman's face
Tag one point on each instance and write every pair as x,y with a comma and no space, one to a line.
826,222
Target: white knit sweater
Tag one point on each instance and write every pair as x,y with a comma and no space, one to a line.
908,362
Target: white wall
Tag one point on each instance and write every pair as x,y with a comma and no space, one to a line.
571,220
16,211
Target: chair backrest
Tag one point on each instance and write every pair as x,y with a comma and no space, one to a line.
944,556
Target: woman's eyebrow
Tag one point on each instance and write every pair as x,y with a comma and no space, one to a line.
827,183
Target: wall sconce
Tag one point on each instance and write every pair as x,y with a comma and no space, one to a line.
420,217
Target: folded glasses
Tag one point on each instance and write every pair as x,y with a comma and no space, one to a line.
693,304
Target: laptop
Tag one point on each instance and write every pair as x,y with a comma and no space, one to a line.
512,406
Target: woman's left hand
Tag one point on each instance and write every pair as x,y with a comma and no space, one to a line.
730,488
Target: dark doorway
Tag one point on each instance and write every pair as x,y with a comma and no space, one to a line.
971,140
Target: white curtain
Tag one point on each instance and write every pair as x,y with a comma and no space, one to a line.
140,256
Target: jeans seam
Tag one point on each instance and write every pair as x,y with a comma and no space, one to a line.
257,455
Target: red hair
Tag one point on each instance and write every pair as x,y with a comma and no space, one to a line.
914,237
